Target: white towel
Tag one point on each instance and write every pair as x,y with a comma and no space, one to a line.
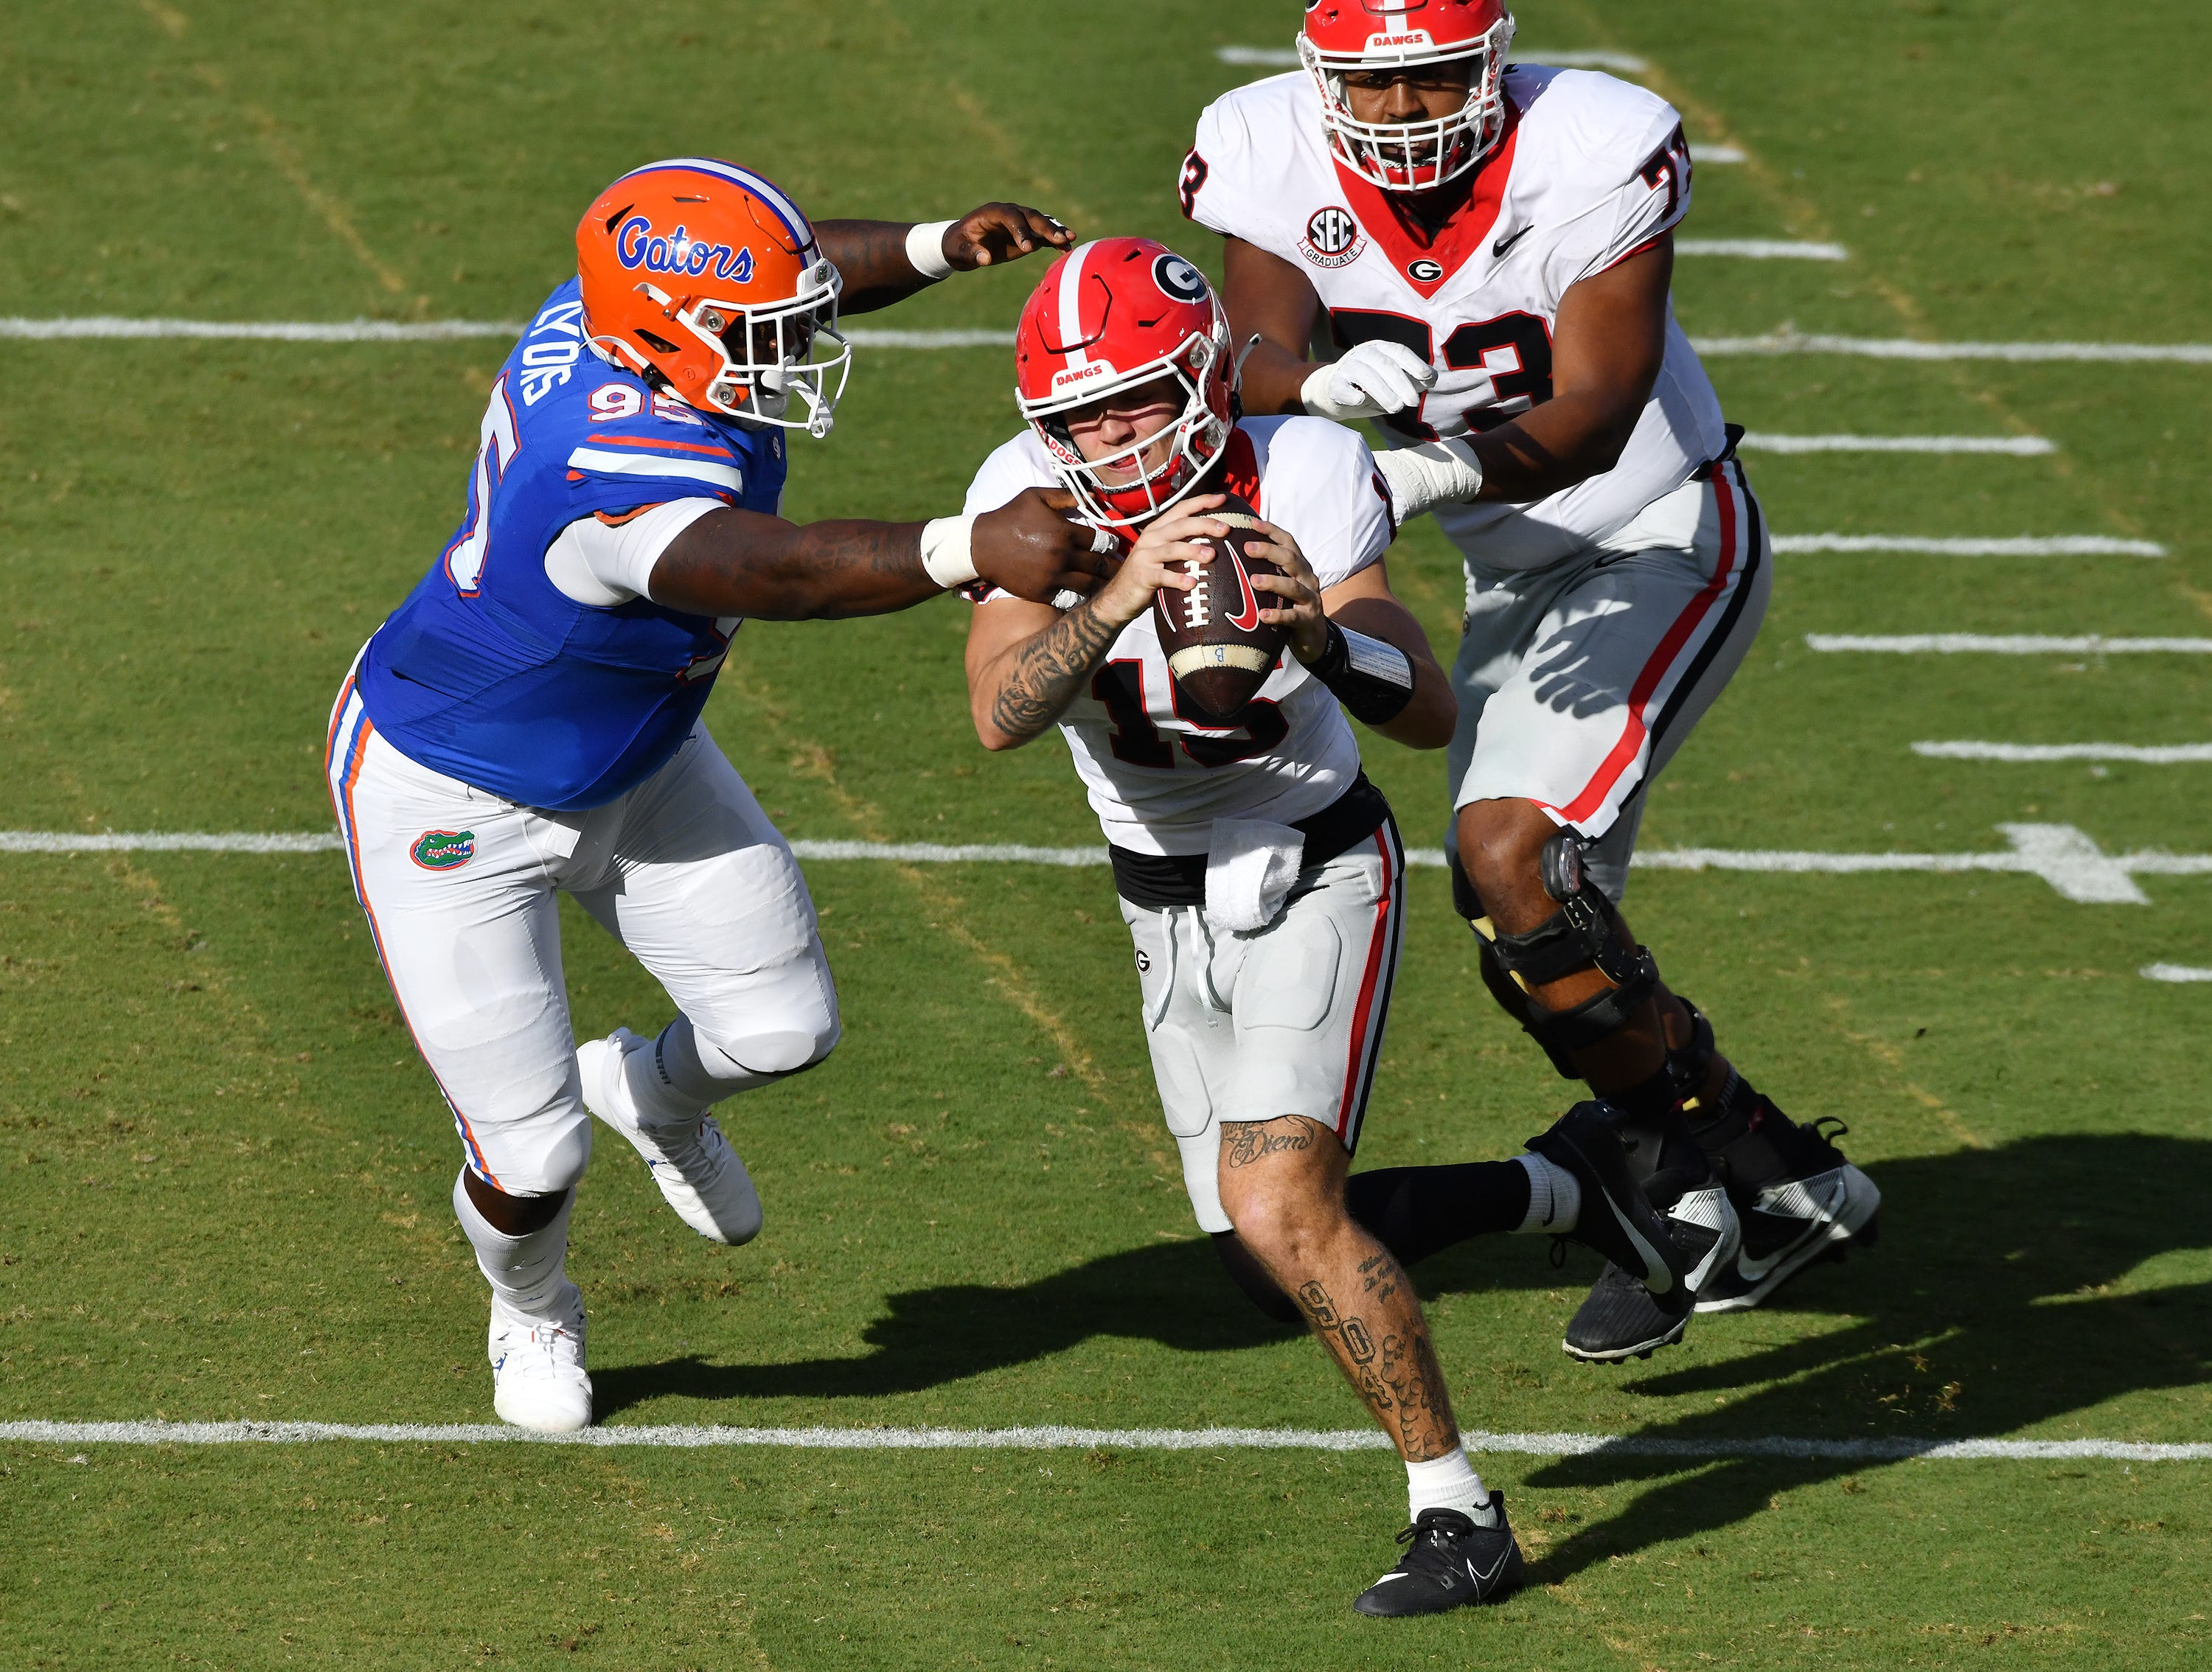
1251,865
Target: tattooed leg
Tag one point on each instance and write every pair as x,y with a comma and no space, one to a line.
1282,1185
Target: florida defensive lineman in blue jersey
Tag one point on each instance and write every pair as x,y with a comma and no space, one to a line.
527,722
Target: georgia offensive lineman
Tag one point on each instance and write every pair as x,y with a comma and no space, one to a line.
1260,872
528,720
1493,245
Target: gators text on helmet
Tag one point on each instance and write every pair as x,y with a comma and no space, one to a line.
704,276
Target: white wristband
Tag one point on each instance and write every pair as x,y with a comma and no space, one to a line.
1429,474
925,248
944,550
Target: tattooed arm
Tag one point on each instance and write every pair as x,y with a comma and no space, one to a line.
1027,662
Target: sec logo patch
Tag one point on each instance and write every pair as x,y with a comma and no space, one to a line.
443,850
1333,238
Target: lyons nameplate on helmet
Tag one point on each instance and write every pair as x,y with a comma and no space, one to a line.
1220,652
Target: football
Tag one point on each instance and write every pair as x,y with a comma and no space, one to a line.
1220,652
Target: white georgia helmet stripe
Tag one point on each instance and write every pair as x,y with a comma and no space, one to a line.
1070,305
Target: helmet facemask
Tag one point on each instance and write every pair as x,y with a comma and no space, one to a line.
1420,155
766,353
1194,438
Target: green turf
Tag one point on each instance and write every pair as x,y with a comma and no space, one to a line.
223,1173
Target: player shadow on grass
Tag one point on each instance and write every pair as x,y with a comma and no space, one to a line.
1986,1309
1175,1294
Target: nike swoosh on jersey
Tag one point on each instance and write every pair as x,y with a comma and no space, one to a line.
1500,248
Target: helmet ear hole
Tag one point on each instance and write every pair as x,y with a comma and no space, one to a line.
658,344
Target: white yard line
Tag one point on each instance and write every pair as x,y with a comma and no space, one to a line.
2066,858
1763,249
2176,972
385,330
1713,154
686,1437
2018,447
2050,545
2145,754
1903,348
2004,644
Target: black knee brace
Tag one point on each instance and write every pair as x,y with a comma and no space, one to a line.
1584,934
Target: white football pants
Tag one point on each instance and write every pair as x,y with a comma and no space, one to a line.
1578,683
459,886
1284,1019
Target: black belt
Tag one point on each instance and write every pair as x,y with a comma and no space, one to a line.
1156,881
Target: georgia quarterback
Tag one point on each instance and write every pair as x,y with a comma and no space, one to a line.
1260,872
1491,244
527,722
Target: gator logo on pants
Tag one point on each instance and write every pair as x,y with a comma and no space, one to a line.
444,850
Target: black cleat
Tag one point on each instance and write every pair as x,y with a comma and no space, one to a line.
1452,1560
1819,1208
1617,1219
1622,1319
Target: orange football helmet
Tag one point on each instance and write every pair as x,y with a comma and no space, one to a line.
705,276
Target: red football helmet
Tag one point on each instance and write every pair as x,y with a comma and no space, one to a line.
1342,35
705,274
1113,314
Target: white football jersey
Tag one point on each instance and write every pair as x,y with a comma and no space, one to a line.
1590,170
1158,781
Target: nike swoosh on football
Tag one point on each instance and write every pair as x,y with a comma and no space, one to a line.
1500,248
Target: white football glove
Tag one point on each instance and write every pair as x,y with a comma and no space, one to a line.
1373,380
1429,473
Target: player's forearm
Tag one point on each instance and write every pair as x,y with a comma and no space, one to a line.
871,258
1024,693
1575,435
1274,381
732,563
1428,719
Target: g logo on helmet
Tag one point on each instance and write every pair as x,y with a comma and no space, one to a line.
1424,271
1178,280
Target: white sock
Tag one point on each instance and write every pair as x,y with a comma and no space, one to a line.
679,1075
528,1274
1448,1482
1555,1196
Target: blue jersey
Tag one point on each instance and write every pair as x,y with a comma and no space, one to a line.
491,674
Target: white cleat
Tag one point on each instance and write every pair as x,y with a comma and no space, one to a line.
692,1162
538,1368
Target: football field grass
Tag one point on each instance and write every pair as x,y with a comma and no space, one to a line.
224,1172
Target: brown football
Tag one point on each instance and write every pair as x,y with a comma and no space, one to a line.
1220,652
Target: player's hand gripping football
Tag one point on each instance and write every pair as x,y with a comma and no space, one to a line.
1300,615
1162,557
1030,547
1000,233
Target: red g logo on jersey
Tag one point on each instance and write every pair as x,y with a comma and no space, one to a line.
1333,238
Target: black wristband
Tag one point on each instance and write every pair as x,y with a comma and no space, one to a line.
1373,680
